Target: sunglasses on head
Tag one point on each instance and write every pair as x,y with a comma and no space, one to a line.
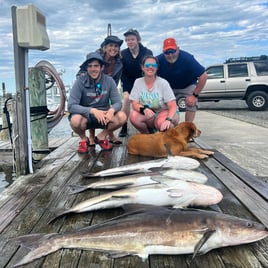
98,89
170,51
147,65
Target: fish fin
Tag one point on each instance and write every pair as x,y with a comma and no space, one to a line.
175,193
183,199
38,245
115,185
89,175
75,188
119,254
117,197
58,213
202,241
30,241
159,169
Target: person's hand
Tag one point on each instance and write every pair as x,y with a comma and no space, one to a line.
109,115
191,101
100,116
165,125
149,113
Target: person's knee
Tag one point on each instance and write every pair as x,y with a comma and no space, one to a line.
78,121
122,117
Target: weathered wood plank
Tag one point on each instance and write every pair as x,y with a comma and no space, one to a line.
49,191
258,185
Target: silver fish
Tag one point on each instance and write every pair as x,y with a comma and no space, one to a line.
142,179
175,162
156,230
172,192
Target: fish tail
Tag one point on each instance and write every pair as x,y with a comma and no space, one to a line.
57,214
39,245
75,188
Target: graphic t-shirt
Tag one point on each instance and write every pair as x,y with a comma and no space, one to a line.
156,97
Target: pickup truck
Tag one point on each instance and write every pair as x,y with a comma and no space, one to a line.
240,78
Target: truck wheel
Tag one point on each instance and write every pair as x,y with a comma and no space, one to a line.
181,102
257,101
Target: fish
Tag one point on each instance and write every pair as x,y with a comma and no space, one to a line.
175,162
149,231
172,192
141,179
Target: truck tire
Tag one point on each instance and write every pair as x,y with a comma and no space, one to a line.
181,102
257,101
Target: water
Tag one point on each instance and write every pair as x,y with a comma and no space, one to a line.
7,170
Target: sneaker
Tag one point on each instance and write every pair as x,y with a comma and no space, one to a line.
123,132
83,147
104,144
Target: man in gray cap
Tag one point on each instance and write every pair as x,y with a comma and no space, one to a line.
132,57
94,102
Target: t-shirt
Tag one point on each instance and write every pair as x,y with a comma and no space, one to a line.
155,98
183,72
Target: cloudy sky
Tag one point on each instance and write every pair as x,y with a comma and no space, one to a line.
211,30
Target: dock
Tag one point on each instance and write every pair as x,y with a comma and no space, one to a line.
27,206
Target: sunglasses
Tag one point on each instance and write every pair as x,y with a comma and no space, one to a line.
170,51
147,65
98,89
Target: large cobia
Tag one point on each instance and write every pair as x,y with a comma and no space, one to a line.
142,179
154,231
169,192
175,162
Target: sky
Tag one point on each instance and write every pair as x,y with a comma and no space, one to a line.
212,30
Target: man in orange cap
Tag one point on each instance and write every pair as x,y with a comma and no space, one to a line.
185,74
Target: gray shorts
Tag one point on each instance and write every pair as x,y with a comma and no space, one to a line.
185,92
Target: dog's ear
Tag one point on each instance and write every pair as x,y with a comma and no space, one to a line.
171,132
195,132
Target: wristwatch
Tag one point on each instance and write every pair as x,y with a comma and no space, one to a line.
169,119
196,95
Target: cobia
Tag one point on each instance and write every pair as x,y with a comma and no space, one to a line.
151,231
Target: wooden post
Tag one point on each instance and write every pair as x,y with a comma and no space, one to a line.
20,137
4,133
38,104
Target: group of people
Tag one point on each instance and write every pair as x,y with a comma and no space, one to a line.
150,85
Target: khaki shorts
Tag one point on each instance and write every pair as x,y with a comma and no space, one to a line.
185,92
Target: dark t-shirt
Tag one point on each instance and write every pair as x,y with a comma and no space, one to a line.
182,73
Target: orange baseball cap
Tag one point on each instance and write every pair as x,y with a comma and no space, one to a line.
169,43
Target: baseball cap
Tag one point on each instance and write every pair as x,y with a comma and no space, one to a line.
133,32
169,43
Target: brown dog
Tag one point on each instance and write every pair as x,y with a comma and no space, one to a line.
176,139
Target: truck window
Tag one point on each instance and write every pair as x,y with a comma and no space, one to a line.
237,70
261,67
215,72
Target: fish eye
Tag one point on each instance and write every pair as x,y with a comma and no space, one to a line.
249,224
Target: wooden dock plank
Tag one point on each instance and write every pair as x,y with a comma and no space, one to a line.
30,203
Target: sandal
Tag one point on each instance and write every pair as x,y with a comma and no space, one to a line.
115,141
104,144
83,147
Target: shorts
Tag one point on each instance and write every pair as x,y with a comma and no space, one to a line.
92,122
185,92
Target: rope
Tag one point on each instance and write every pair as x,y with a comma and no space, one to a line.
54,117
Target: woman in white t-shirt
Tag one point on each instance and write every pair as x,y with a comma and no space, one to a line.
154,105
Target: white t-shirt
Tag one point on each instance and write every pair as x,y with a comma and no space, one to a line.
155,98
